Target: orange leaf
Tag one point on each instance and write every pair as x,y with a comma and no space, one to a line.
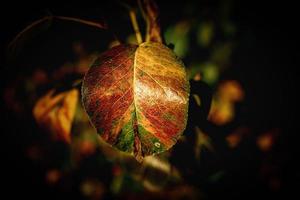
56,113
223,106
235,138
231,90
53,176
266,141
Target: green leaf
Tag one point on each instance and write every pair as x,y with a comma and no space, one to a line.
205,34
210,73
179,36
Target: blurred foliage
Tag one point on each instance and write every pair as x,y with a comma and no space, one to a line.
199,162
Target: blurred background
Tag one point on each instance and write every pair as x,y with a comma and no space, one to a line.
240,61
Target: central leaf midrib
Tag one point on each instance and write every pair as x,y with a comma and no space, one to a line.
135,121
134,83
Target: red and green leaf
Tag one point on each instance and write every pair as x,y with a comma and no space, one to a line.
137,98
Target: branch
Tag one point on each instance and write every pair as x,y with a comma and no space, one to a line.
35,23
150,13
90,23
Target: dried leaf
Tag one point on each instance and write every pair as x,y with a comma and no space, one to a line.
137,98
56,113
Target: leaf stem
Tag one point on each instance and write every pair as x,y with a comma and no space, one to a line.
135,26
146,18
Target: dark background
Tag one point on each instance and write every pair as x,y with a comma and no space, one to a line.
264,61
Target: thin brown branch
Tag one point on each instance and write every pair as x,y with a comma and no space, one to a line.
27,28
150,10
35,23
90,23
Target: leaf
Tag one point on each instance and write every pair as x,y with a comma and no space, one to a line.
265,142
179,36
223,106
137,98
205,34
56,113
210,73
235,138
53,176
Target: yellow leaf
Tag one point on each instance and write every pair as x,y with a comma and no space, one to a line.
56,113
231,90
222,112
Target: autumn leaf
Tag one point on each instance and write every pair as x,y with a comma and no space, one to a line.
223,105
56,113
137,98
265,141
53,176
235,138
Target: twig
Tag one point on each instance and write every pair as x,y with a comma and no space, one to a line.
150,13
135,26
28,28
35,23
90,23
